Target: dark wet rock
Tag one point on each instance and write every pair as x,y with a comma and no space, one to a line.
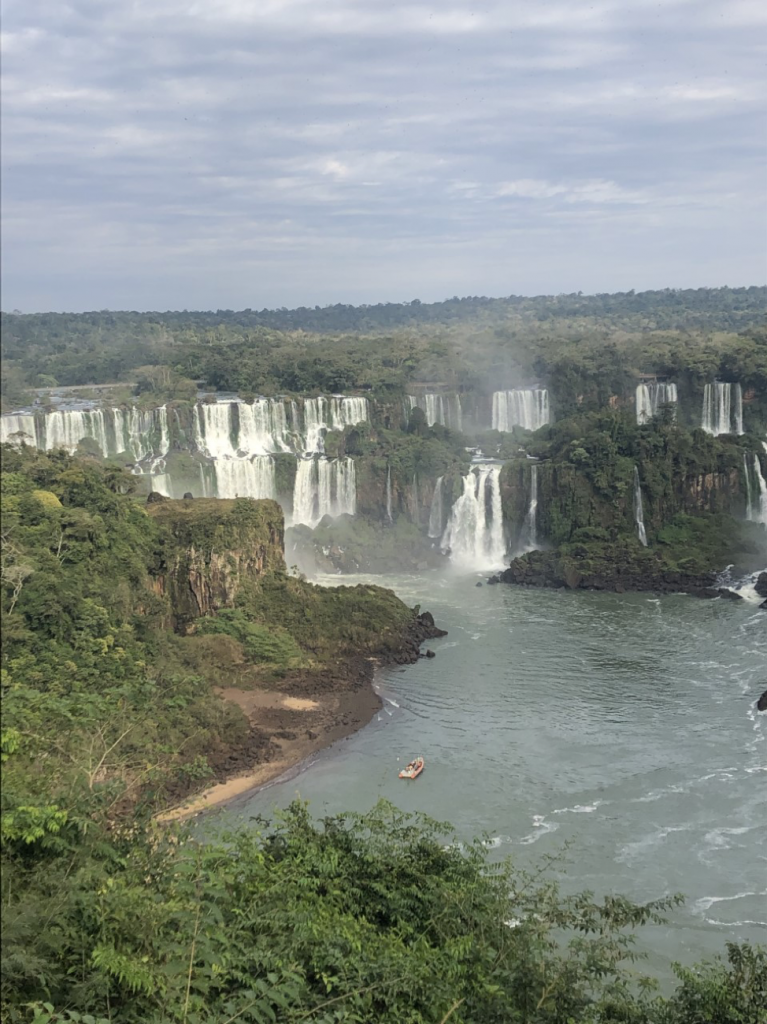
493,580
426,619
154,497
188,496
615,569
763,605
730,595
430,654
478,583
761,704
761,584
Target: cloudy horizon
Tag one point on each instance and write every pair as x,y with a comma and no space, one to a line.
177,154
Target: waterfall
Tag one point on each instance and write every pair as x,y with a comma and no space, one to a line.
524,407
638,513
245,478
722,408
346,412
530,528
229,429
416,504
650,398
757,503
263,427
271,425
140,433
323,414
474,533
747,476
435,512
324,487
438,408
19,423
388,494
65,428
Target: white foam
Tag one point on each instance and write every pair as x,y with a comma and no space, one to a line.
706,902
579,808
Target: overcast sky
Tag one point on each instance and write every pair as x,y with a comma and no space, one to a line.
168,154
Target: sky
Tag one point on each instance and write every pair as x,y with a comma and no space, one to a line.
167,154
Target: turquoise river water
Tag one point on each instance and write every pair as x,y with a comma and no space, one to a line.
625,724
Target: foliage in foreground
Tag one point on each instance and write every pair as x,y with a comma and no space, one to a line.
356,918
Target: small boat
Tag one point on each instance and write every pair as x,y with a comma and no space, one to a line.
413,770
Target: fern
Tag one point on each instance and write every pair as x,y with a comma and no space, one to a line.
135,974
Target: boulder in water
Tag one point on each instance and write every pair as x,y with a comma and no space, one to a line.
761,704
730,594
763,605
431,654
478,583
761,584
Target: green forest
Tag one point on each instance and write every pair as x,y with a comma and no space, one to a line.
470,344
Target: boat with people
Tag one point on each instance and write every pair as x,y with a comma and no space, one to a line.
413,770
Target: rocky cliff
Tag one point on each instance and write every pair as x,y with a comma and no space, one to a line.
210,548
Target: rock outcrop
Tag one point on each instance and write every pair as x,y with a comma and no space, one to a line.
619,571
211,548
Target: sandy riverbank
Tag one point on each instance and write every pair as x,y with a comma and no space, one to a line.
297,727
309,712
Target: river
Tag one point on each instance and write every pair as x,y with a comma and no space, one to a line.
622,724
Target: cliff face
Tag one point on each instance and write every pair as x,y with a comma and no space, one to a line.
570,501
212,547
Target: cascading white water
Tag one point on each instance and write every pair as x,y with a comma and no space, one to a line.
438,408
650,398
322,414
416,502
757,504
474,533
65,428
140,433
722,408
232,429
435,512
245,478
22,424
263,427
324,487
524,407
530,527
388,494
747,478
638,511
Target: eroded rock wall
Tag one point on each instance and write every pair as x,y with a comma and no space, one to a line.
211,548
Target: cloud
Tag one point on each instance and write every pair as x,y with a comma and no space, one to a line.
168,153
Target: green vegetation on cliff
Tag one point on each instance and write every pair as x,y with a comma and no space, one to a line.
108,706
